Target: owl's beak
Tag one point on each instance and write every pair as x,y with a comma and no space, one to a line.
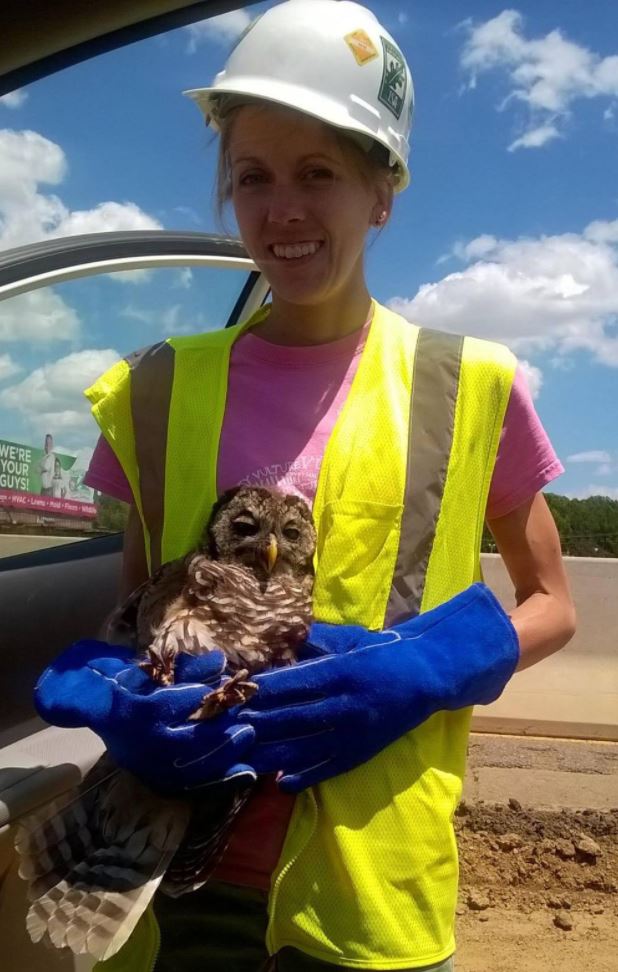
270,553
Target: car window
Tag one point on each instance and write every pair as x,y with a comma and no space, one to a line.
106,145
56,341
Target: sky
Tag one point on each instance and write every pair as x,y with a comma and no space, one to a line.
508,231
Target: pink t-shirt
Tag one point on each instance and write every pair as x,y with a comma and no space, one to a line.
282,405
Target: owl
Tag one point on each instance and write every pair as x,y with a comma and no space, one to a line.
95,859
246,590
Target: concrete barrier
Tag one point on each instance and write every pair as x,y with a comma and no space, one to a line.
574,692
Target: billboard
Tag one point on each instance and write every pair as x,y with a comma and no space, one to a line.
43,480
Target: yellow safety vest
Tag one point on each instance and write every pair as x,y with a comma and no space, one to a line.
368,873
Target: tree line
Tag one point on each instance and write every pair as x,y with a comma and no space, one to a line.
587,527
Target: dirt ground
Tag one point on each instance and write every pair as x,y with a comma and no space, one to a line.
538,889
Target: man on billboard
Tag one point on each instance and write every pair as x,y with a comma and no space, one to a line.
46,466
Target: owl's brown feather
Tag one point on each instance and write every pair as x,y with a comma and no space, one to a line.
95,861
256,624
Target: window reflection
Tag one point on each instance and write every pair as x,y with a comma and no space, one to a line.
56,341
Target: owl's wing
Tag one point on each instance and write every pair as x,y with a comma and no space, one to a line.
94,859
132,622
178,612
121,626
207,836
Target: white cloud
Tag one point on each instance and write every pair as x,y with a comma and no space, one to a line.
472,250
476,248
76,425
8,367
547,74
222,29
105,217
555,293
602,231
594,455
562,364
27,214
170,318
534,377
166,320
39,315
535,137
51,397
183,279
27,158
139,314
14,99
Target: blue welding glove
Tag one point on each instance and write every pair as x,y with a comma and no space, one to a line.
143,725
365,689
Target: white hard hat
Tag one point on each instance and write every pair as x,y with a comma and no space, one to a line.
328,58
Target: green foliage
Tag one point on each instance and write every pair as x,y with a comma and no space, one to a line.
111,514
587,528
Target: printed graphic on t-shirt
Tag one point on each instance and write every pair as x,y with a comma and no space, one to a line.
298,476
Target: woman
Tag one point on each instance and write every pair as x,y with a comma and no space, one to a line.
404,440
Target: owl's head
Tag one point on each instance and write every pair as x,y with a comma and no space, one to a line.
271,532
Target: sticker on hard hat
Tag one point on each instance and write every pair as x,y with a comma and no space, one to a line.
362,46
394,80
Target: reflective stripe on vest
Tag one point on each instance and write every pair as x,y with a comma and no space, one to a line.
434,393
368,873
152,377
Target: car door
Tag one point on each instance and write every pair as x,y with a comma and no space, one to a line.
55,588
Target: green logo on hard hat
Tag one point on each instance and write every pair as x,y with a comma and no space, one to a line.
394,79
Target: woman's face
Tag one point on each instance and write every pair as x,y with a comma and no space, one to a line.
301,203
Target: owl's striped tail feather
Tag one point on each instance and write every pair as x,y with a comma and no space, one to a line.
207,836
94,859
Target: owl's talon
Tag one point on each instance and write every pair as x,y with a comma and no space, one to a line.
157,670
236,691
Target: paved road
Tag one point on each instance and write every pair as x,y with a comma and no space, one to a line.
546,773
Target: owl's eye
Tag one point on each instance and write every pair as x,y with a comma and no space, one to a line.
291,533
245,528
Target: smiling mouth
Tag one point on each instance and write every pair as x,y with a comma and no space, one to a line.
295,251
